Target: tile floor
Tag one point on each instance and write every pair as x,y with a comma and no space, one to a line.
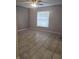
39,45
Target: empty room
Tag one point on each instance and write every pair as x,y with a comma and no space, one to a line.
39,29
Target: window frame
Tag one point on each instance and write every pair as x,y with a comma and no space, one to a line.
48,19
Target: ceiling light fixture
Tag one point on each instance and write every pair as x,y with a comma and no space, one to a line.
34,5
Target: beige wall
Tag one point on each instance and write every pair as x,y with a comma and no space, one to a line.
55,18
21,23
21,17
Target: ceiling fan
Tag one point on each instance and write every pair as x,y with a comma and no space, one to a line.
34,3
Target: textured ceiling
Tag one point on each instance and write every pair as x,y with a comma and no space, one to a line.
48,3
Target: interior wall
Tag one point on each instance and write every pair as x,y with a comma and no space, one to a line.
21,17
55,18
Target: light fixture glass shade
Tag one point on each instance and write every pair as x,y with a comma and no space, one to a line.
34,5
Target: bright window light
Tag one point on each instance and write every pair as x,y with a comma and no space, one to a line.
43,19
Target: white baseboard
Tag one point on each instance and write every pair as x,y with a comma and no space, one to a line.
45,30
53,32
22,29
40,30
48,31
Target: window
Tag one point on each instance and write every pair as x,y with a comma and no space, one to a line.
43,19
